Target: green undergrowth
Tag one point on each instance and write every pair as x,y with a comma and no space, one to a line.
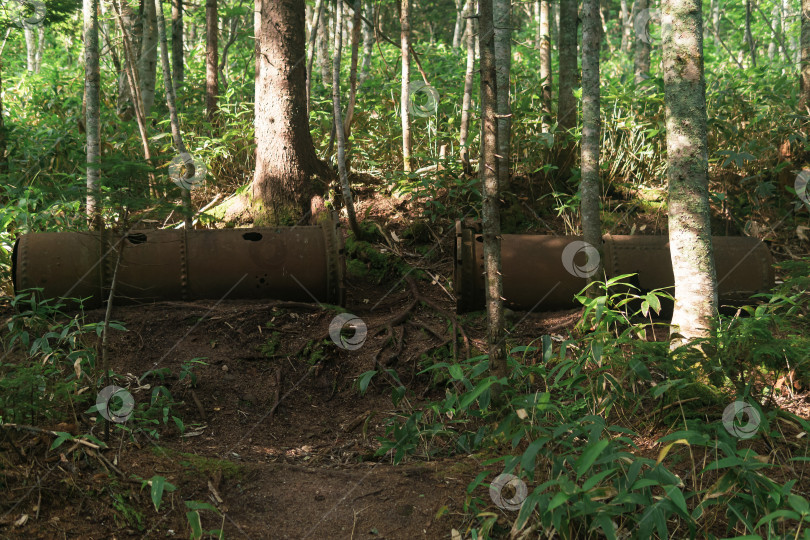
614,436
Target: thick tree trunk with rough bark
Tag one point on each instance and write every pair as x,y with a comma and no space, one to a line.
502,19
545,63
641,58
687,158
490,211
591,125
147,59
466,100
178,67
404,102
289,178
804,97
211,58
92,81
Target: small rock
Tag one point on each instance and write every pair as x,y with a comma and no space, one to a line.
224,367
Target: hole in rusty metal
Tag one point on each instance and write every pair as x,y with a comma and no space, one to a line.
137,238
252,236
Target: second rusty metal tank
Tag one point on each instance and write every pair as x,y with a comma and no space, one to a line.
537,275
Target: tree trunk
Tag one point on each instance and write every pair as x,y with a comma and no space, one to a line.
147,60
130,26
490,211
459,27
545,64
368,41
40,47
316,23
538,24
715,9
404,102
3,159
211,58
773,46
687,159
348,201
93,111
641,59
289,178
466,100
566,103
624,22
502,17
177,136
323,46
804,87
749,39
30,48
358,6
178,68
591,125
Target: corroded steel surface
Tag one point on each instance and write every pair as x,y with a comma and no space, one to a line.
535,276
285,263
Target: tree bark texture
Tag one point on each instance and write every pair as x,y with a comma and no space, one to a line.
641,58
545,63
368,40
489,183
688,162
466,100
591,125
178,66
502,20
288,174
147,59
92,81
211,58
566,103
404,102
804,99
356,24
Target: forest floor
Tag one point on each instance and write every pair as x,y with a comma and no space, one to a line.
281,442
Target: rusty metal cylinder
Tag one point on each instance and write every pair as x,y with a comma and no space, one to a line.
543,273
284,263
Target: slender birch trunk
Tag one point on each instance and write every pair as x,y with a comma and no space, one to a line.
624,16
323,46
804,87
459,26
687,156
491,222
591,126
368,41
40,47
468,84
749,38
348,200
715,9
316,22
404,102
502,20
30,48
92,80
641,59
177,136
